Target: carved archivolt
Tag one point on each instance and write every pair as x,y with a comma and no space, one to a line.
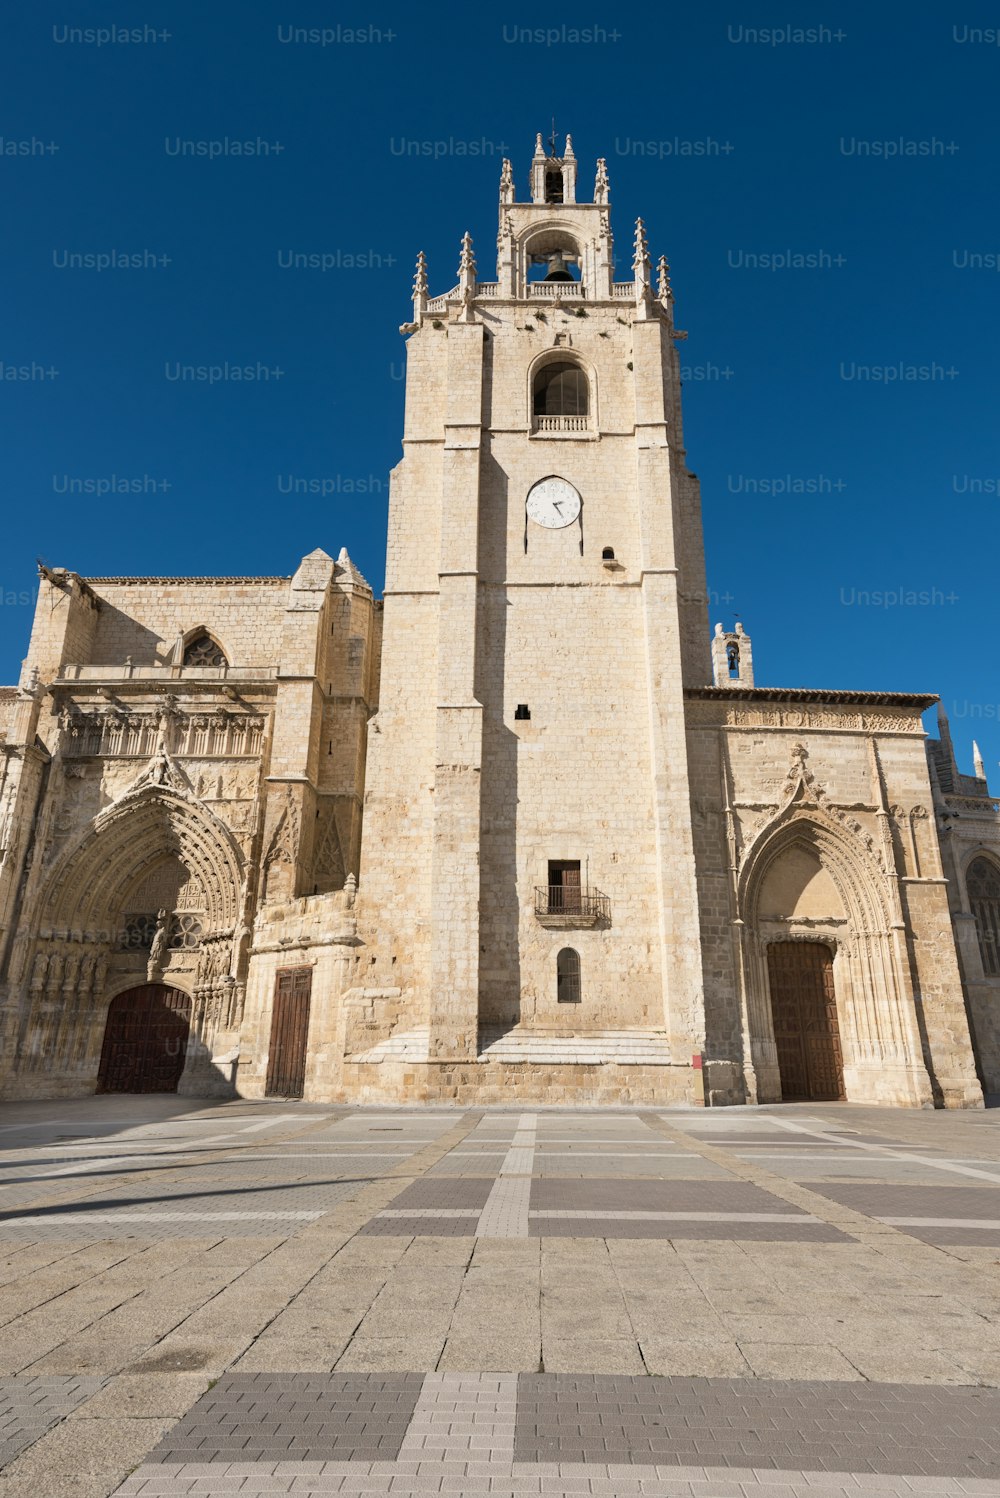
843,847
91,881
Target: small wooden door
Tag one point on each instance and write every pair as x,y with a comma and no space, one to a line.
145,1040
804,1014
286,1059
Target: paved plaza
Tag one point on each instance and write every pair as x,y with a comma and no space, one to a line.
263,1298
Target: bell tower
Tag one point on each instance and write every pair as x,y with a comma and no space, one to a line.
527,871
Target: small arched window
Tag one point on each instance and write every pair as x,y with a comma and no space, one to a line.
560,389
202,650
568,976
983,884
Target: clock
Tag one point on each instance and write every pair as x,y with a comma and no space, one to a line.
553,503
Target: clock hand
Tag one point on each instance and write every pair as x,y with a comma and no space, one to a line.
557,504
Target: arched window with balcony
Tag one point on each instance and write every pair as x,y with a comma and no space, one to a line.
983,884
560,398
561,389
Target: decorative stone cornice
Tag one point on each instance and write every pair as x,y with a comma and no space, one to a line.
917,701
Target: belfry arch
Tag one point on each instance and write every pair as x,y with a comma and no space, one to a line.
810,879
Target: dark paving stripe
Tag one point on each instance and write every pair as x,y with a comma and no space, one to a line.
954,1237
296,1417
419,1227
620,1195
610,1227
914,1201
462,1193
780,1425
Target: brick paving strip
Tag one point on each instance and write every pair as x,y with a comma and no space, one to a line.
505,1214
552,1434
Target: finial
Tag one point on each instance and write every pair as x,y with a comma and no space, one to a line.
663,290
601,182
641,273
569,146
640,259
977,762
468,260
467,279
506,182
539,148
419,294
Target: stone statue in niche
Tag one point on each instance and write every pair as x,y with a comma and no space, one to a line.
158,949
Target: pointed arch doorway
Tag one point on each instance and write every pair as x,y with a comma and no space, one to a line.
145,1040
804,1016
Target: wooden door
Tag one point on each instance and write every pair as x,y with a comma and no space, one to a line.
564,886
804,1015
571,887
286,1059
145,1040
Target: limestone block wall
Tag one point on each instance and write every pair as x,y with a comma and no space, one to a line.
65,622
969,831
318,933
571,783
142,617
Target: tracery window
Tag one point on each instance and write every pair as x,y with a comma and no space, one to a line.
185,933
983,884
203,651
137,932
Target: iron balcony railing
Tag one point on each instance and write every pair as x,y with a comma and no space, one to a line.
571,902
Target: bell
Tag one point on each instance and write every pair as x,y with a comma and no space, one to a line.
558,269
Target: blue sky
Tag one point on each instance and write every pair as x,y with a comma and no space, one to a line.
842,413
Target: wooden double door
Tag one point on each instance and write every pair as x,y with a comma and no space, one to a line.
804,1016
145,1040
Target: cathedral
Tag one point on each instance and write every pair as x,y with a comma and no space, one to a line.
525,830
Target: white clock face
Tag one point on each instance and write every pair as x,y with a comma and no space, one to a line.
553,503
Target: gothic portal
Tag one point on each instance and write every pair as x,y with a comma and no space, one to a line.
524,830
